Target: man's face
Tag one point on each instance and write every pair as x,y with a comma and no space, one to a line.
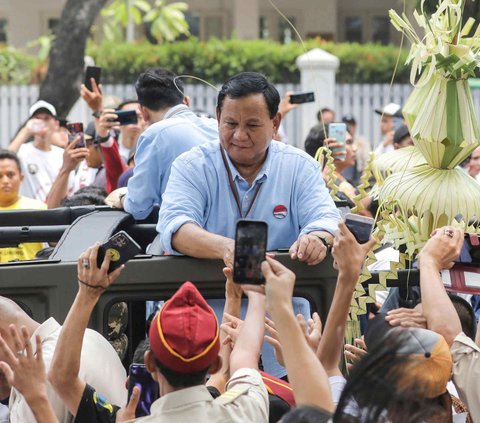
474,163
386,124
49,123
133,130
95,157
10,180
246,129
328,117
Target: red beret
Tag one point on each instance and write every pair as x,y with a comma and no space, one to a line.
184,335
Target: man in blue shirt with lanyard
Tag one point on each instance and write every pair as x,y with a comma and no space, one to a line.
247,175
174,129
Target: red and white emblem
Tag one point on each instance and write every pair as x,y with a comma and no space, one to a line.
280,211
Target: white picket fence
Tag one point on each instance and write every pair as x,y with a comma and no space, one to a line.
360,100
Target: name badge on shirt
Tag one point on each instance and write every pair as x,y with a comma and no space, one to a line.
280,211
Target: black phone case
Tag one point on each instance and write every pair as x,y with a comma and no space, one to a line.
126,117
122,248
92,72
301,98
246,267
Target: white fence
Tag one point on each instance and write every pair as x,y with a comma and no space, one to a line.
360,100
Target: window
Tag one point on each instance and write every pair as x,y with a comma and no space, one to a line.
285,31
193,24
213,27
3,31
353,29
52,25
264,29
381,29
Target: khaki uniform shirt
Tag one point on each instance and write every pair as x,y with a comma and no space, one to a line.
466,372
246,400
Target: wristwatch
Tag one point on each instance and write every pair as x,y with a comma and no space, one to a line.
324,240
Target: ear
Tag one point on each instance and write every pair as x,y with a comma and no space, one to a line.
276,121
187,101
145,113
149,360
215,366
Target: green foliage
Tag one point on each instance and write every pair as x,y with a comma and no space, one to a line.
16,67
166,21
216,60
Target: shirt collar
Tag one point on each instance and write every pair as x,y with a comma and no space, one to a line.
263,172
180,398
175,110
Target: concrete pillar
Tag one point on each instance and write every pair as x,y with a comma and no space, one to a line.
246,19
317,74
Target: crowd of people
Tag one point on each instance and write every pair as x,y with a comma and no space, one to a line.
277,363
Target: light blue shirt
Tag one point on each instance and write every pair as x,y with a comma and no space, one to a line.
199,192
157,148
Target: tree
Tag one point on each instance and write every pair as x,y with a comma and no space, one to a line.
66,59
165,22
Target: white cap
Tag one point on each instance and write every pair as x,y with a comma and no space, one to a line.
391,109
41,104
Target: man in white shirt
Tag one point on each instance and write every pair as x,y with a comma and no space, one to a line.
41,159
100,366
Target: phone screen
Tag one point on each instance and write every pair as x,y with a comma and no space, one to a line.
139,375
74,129
339,132
250,250
360,230
92,72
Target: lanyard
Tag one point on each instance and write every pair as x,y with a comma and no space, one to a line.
233,187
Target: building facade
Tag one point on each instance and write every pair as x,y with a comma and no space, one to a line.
340,20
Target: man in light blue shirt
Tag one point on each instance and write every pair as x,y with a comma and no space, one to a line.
247,175
274,182
174,129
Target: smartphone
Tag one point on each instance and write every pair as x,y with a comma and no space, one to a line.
122,248
125,117
299,98
92,72
360,226
250,250
74,129
339,132
139,375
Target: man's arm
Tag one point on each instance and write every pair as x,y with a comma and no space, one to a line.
246,352
206,245
306,374
439,253
71,158
350,257
23,135
66,360
26,373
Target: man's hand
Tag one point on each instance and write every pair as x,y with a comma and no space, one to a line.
406,318
115,198
36,127
228,252
93,280
128,412
443,248
309,249
94,98
231,326
24,370
354,353
349,255
285,106
388,139
280,282
72,156
106,122
331,144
